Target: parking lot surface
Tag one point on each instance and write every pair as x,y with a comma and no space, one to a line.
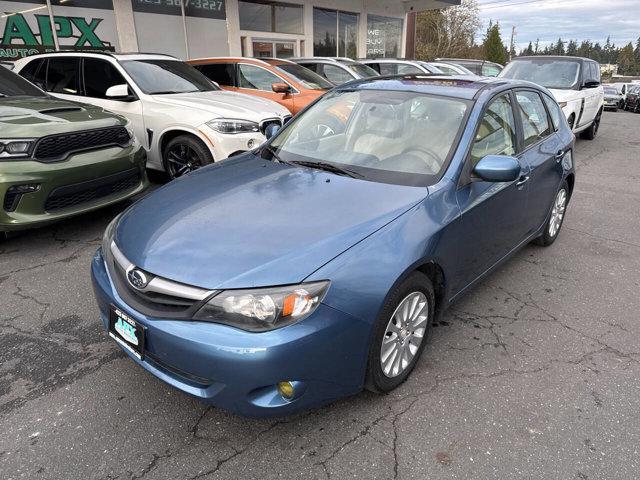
534,374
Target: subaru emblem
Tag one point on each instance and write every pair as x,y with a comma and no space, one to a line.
137,279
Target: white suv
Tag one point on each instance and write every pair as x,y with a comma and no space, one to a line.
183,119
573,81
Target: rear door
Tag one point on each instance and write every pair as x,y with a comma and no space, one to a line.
98,76
541,149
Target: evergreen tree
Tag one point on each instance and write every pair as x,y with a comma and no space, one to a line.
494,49
537,46
572,48
559,47
528,50
627,60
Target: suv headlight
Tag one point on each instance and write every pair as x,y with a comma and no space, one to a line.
262,309
230,125
15,148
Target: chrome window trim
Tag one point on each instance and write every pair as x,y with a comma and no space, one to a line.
159,284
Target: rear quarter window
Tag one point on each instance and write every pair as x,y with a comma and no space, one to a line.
221,73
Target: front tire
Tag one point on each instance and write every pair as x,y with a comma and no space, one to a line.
184,154
400,333
556,218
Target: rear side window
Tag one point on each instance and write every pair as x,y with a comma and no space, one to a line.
31,70
336,74
62,76
387,69
554,111
489,70
535,123
99,76
375,66
250,76
222,73
497,131
408,69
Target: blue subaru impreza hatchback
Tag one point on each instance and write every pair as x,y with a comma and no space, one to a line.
313,266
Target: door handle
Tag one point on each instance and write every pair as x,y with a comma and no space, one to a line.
560,155
523,179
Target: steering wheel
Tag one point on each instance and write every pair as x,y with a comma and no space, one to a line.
434,162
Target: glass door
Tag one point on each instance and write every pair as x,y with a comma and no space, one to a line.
274,48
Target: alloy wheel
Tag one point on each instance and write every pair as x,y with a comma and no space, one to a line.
557,213
182,159
404,334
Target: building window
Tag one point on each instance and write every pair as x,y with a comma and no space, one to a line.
270,17
384,36
335,33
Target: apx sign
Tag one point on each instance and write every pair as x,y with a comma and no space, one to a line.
26,33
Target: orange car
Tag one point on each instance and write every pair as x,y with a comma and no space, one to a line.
282,81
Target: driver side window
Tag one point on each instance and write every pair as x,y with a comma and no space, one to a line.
497,132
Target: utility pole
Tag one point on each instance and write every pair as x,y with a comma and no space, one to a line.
512,44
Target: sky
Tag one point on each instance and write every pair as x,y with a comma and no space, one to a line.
569,19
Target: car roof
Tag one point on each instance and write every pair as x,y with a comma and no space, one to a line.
95,54
265,61
386,60
339,60
459,86
553,57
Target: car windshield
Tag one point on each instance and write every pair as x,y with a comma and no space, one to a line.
157,77
386,136
610,90
307,78
362,70
548,72
13,85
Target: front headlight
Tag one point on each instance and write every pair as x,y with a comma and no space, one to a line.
262,309
18,148
230,125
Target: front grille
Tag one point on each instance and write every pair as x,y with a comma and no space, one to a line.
159,304
80,193
58,147
265,123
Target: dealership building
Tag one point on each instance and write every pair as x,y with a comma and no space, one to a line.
202,28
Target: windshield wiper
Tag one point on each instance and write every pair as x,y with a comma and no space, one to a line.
329,167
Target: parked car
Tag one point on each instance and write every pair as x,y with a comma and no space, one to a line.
182,118
484,68
633,99
612,98
574,82
622,89
287,83
307,269
451,68
60,158
337,70
391,66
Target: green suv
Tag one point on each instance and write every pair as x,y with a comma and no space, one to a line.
59,158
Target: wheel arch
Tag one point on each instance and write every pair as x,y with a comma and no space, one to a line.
167,135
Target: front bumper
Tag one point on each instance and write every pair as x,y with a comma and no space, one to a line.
82,183
325,354
226,145
612,102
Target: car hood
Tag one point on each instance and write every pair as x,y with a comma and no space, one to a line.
562,95
247,222
221,103
23,117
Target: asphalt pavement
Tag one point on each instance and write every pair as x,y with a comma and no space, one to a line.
535,374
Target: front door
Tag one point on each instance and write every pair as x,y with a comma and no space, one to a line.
492,219
99,75
256,80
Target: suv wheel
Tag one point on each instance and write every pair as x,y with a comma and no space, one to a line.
591,132
184,154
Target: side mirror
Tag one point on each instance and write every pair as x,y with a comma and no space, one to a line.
118,92
591,84
280,87
498,168
271,130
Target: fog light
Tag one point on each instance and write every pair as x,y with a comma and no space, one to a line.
24,188
251,143
286,389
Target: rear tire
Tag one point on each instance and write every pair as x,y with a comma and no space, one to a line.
400,335
556,218
184,154
591,132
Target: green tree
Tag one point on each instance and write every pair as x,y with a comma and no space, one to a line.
558,49
627,60
572,48
494,49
